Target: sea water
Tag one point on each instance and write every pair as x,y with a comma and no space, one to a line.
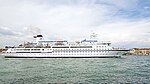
128,69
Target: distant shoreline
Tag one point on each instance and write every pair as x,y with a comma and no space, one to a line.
139,51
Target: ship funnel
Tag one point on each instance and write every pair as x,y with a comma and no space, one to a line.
38,38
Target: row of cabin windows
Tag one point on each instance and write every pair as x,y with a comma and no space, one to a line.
54,49
57,49
75,51
78,51
79,54
83,49
102,47
26,49
65,54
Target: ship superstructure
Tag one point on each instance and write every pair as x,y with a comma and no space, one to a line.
86,48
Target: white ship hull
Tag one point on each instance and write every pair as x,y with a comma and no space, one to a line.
110,54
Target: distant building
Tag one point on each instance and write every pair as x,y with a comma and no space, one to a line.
140,51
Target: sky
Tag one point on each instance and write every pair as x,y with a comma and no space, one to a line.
126,23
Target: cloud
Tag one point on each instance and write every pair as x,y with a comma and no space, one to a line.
115,20
126,33
127,30
8,32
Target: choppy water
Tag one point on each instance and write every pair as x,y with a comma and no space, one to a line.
132,69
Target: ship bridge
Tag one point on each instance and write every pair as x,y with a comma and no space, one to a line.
91,41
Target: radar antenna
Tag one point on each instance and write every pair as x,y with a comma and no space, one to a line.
93,36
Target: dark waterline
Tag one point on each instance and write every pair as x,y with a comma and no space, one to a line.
132,69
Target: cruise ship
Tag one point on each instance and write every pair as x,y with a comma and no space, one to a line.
87,48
